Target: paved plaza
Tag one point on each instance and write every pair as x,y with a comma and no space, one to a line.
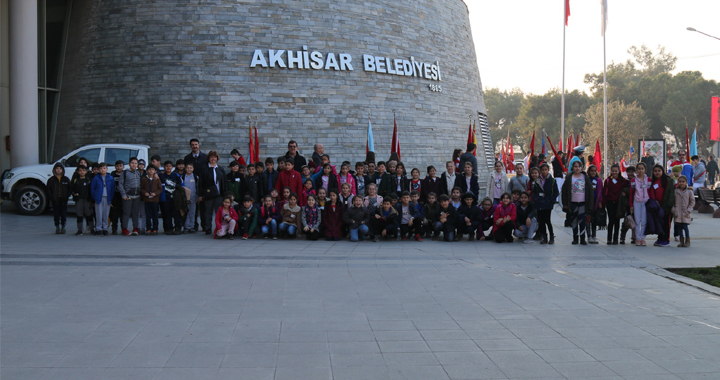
189,307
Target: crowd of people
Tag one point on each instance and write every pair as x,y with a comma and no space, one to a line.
291,197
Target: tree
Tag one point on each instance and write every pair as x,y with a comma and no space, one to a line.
503,108
626,123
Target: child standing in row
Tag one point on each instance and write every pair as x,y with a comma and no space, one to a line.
682,210
82,198
103,191
59,190
151,190
638,198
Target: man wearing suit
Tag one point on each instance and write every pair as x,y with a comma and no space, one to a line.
199,161
212,188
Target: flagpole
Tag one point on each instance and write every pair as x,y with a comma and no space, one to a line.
605,116
562,106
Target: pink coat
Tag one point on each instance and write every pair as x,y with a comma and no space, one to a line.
350,181
684,205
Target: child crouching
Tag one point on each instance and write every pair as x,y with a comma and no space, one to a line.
311,218
226,220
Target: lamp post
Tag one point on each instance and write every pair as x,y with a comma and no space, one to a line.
690,28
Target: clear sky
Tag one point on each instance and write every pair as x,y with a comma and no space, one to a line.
519,43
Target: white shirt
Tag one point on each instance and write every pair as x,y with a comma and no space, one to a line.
449,182
215,177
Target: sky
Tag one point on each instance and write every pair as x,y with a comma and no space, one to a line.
519,43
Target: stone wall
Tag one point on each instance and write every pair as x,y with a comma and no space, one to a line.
186,66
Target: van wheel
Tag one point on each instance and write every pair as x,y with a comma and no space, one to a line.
30,200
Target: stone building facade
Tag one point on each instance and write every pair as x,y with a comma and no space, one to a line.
159,72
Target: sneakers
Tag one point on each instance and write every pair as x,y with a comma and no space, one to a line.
657,243
528,241
245,236
62,230
677,238
582,240
78,233
417,237
594,240
135,232
664,243
231,237
58,231
274,237
105,233
125,232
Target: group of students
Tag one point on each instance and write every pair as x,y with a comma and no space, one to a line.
375,201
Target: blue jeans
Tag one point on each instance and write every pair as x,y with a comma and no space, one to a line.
291,229
270,227
358,233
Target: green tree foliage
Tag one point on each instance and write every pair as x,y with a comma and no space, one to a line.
626,123
503,108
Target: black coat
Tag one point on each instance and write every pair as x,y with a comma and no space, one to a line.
58,189
200,161
452,214
462,184
207,185
298,162
404,184
414,213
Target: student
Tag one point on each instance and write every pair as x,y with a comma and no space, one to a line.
371,171
307,192
639,196
515,195
629,223
311,218
179,167
467,181
58,187
356,219
545,192
332,216
520,181
291,216
247,218
130,192
430,215
399,181
504,220
237,157
447,179
526,221
289,178
487,214
212,186
468,215
455,200
80,188
306,173
534,174
235,181
392,166
270,175
497,183
268,219
226,219
322,198
430,184
345,196
102,189
612,197
326,179
407,215
172,221
285,199
345,177
447,217
578,200
82,161
190,182
415,201
361,180
116,210
385,221
597,186
381,176
151,190
393,199
259,168
372,200
254,184
415,181
682,210
663,192
141,213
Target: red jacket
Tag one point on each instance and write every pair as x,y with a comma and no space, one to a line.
501,212
218,219
291,179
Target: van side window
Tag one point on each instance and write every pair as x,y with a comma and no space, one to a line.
114,154
92,155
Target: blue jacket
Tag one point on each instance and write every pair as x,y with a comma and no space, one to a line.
96,188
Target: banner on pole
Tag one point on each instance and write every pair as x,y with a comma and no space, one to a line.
715,119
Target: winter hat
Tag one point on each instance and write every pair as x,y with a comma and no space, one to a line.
677,169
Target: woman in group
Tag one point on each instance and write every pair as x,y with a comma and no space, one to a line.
504,220
613,188
577,200
662,191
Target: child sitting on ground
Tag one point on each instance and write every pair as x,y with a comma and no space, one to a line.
247,218
356,218
291,218
226,220
385,221
269,218
311,219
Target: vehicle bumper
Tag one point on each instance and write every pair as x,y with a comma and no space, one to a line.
5,196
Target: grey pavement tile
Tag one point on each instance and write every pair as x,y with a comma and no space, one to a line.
410,359
351,336
194,361
644,367
43,348
501,344
319,373
687,366
150,360
354,348
187,373
582,369
565,356
250,360
303,336
392,325
85,361
549,343
614,354
473,372
491,333
452,345
20,373
444,335
130,373
140,348
404,346
356,360
419,372
384,335
73,374
303,360
29,360
304,348
361,373
245,373
462,358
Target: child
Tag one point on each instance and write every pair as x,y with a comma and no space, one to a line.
407,215
663,192
180,167
468,215
430,215
415,201
130,192
361,180
356,218
526,222
285,198
447,179
385,221
497,183
151,190
270,175
487,214
371,171
682,210
289,178
58,187
116,210
291,216
82,198
515,195
311,218
235,181
254,185
306,173
468,181
237,157
326,179
545,192
597,194
172,222
274,195
372,200
415,182
226,220
446,219
332,217
629,223
578,199
190,182
380,176
614,201
102,189
247,218
455,200
269,218
638,198
346,178
504,220
400,182
307,192
141,214
534,174
82,161
346,195
393,199
259,168
430,184
322,198
242,169
520,181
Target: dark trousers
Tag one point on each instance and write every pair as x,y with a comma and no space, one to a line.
485,224
312,235
200,214
170,215
151,216
463,228
60,214
446,228
116,211
211,206
244,227
613,222
88,220
379,225
504,232
544,223
408,230
667,221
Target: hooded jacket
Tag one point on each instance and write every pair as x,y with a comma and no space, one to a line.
589,192
355,216
96,187
58,188
130,183
471,212
684,205
489,190
544,195
461,182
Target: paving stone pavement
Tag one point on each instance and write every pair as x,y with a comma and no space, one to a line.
189,307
